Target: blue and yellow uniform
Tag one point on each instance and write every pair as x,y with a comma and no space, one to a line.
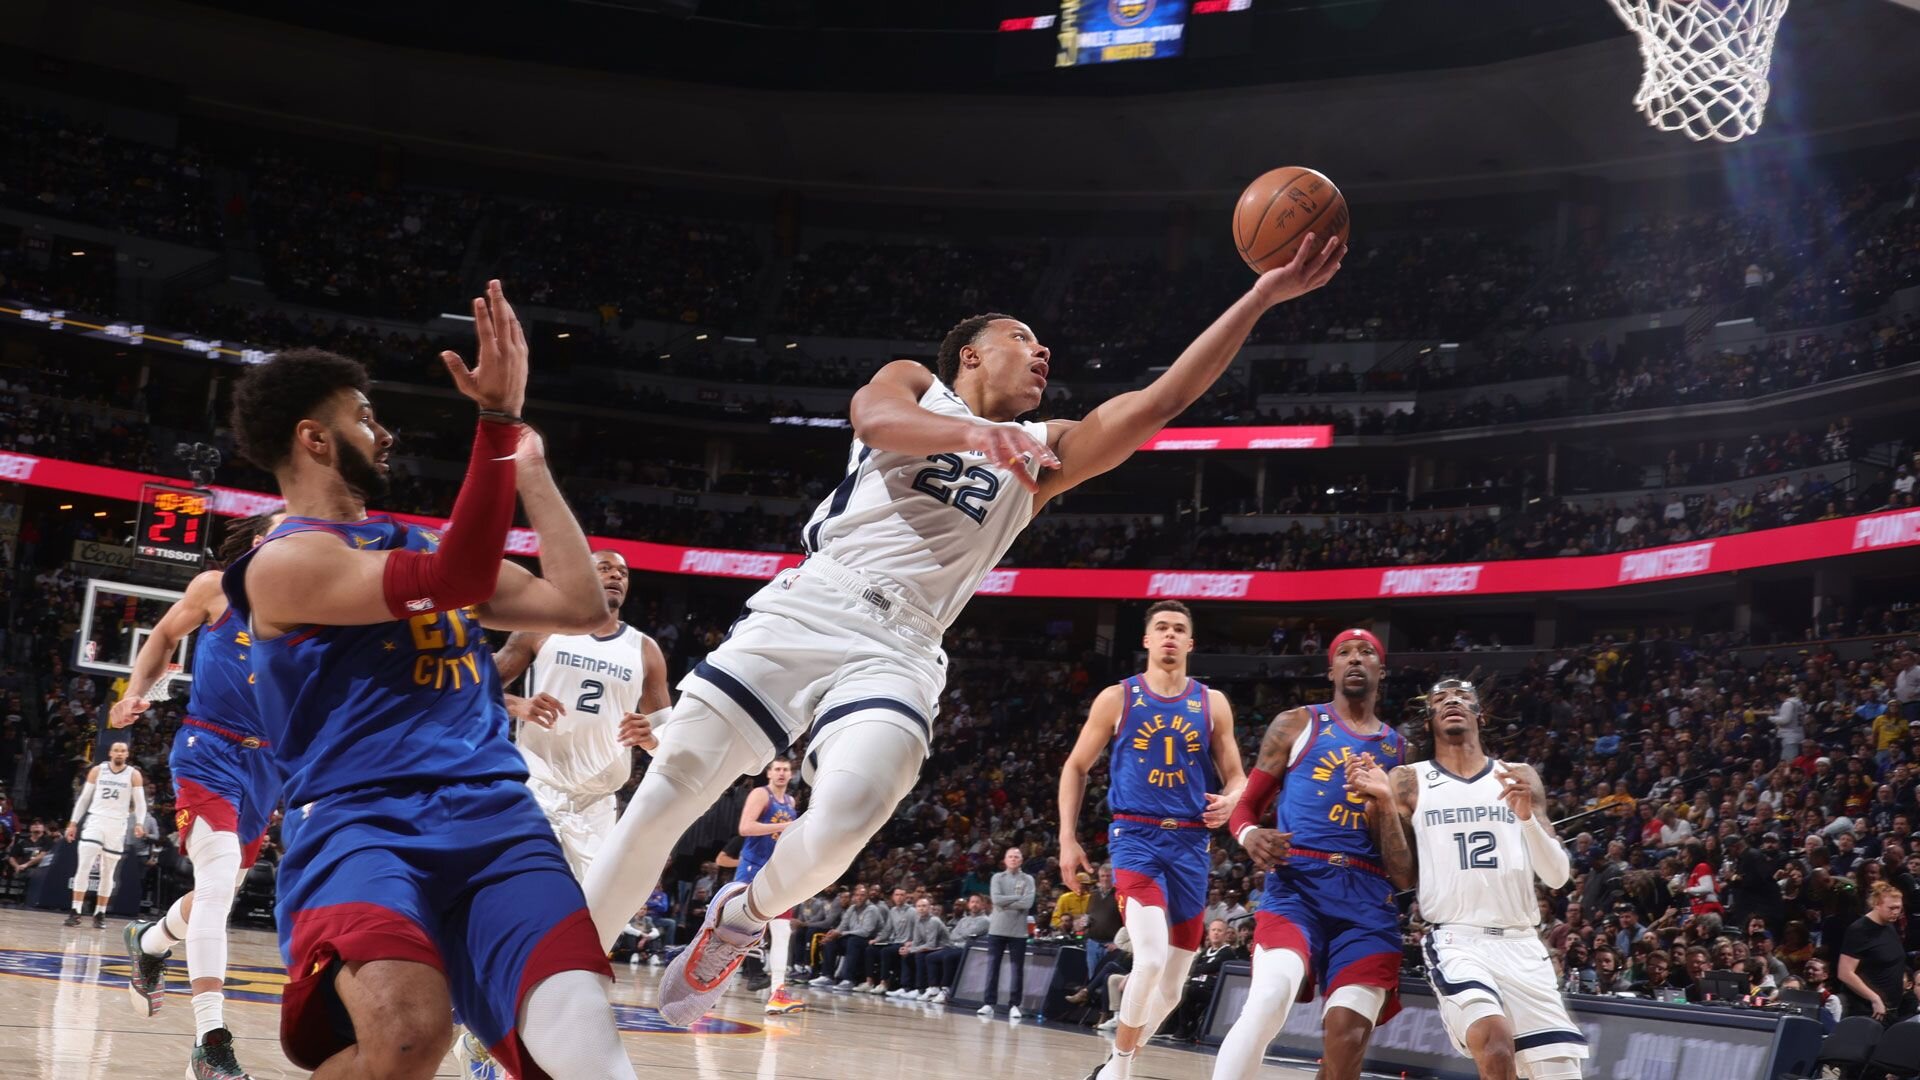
412,835
1331,901
222,762
756,850
1160,770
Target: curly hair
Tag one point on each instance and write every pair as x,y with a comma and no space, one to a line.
272,399
240,535
964,333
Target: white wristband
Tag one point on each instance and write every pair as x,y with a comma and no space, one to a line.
1241,836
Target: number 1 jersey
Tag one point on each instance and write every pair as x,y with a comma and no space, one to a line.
597,680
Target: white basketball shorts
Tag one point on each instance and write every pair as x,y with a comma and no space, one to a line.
816,645
582,823
111,835
1477,973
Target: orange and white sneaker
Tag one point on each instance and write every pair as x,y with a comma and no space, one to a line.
779,1003
698,976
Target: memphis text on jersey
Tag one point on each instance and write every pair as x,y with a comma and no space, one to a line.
1469,815
1175,730
591,664
1332,768
430,632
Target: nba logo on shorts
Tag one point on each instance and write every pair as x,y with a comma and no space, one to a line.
90,652
1129,12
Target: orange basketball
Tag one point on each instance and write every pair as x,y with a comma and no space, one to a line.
1282,206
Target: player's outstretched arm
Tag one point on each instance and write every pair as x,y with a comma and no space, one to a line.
566,598
1116,428
1226,762
886,415
1095,734
195,608
1526,794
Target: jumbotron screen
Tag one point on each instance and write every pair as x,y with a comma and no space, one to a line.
1107,31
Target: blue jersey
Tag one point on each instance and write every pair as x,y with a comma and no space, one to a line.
404,703
222,691
1161,764
1315,804
756,850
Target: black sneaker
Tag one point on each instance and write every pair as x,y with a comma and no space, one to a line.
757,983
99,920
213,1058
148,984
73,919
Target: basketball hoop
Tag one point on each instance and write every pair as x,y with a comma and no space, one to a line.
162,688
1706,63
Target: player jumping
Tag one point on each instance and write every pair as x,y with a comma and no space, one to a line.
1480,837
1169,744
846,648
420,876
225,788
113,790
1328,906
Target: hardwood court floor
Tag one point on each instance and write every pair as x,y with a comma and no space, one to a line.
65,1015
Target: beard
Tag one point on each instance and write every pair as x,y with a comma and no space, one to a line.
1356,693
360,473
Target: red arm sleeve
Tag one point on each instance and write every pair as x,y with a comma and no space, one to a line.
1255,801
466,568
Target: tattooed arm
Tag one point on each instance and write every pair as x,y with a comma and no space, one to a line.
1391,799
1267,846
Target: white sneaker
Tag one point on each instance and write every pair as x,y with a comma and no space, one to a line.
877,988
699,975
927,994
474,1061
1013,1012
940,996
1108,1024
986,1011
864,988
897,994
843,984
820,980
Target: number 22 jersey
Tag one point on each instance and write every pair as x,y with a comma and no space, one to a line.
404,703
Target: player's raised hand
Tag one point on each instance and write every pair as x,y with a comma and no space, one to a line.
1366,777
1268,847
1073,860
126,710
1313,266
542,709
1010,447
498,378
637,730
1219,809
1516,792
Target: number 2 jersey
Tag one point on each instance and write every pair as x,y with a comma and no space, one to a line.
597,680
1474,865
403,703
927,529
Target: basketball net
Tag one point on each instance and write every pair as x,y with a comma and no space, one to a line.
162,689
1706,63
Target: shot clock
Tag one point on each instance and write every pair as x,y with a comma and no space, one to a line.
173,525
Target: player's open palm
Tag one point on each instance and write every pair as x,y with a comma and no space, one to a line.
1268,847
1313,266
1516,792
126,710
498,378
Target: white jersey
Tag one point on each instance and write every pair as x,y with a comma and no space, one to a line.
597,680
926,529
112,800
1474,866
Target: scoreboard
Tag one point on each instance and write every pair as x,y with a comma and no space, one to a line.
1108,31
172,526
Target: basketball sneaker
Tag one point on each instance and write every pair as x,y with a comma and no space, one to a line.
99,920
474,1060
780,1003
147,986
213,1058
73,919
698,976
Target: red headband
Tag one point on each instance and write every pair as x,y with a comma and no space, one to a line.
1349,635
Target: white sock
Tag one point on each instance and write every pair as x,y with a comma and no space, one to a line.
737,920
169,931
207,1014
79,904
1119,1066
779,951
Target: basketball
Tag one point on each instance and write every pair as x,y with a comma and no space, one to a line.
1282,206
